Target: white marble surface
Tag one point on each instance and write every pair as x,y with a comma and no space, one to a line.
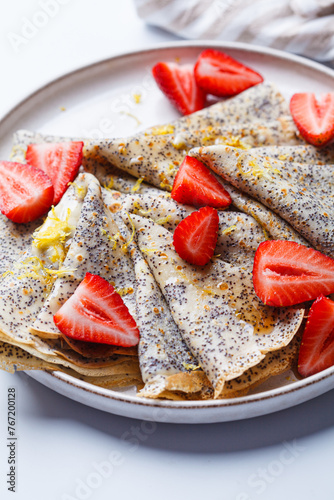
67,451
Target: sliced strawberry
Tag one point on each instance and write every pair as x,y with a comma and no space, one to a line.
59,160
195,238
26,192
317,348
287,273
221,75
314,117
97,313
179,86
195,185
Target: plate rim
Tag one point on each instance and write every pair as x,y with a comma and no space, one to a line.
177,406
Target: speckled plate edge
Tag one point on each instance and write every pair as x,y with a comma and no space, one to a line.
124,404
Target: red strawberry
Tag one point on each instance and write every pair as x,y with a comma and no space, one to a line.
287,273
179,85
221,75
97,313
317,348
61,161
195,185
314,117
26,192
195,237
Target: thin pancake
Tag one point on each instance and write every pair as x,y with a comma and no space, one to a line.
96,247
265,180
220,318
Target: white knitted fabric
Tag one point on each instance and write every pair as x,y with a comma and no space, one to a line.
304,27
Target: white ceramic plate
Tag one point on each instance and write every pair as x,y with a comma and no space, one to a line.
97,101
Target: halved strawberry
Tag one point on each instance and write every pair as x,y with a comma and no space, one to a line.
287,273
178,84
59,160
195,238
221,75
314,117
97,313
195,185
26,192
317,347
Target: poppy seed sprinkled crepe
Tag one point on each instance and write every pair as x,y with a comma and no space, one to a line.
263,102
267,180
220,318
96,247
156,158
258,116
25,287
162,351
107,174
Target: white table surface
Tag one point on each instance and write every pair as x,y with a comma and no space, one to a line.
64,449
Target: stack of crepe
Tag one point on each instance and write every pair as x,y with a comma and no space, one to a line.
203,331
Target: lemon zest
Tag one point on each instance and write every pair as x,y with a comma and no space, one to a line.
110,185
230,229
190,366
131,116
124,291
127,243
136,98
162,130
53,236
80,190
136,187
163,220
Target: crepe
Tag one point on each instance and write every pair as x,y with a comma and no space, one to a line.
107,174
273,183
97,247
261,102
220,318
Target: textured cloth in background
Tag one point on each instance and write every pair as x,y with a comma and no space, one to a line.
304,27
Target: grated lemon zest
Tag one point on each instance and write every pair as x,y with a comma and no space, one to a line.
126,244
136,187
189,366
163,220
131,116
124,291
80,190
162,130
136,98
230,229
54,236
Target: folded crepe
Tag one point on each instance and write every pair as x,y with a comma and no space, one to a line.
261,102
259,116
225,326
107,174
27,285
277,185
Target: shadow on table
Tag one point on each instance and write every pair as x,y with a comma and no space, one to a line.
294,423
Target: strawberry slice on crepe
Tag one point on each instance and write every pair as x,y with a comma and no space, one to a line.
221,75
314,117
60,161
317,347
26,192
286,273
195,238
179,86
195,185
97,313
